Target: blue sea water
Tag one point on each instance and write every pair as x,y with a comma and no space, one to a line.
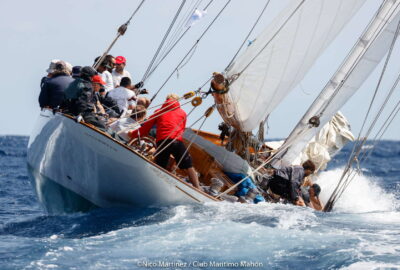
362,232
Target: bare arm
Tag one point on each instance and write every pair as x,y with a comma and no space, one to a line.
100,107
316,203
299,202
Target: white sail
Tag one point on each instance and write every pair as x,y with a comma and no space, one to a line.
280,57
361,61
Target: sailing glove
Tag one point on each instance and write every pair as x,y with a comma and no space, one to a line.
139,85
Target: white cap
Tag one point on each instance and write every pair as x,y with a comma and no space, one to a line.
52,65
69,67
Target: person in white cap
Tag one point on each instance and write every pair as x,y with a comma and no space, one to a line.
69,68
49,71
52,92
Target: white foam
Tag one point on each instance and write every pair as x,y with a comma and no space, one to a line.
370,265
66,248
362,194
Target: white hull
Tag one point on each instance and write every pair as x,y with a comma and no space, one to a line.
97,169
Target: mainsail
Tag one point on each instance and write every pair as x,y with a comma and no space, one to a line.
280,57
361,61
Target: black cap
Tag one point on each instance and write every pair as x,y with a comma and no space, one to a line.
76,71
88,72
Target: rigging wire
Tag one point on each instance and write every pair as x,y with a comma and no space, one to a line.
267,161
194,45
169,135
344,182
352,68
134,13
121,31
379,81
173,46
186,62
376,88
163,40
156,154
376,33
191,142
248,35
348,173
382,131
180,27
272,38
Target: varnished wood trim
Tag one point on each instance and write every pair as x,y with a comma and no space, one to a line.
141,156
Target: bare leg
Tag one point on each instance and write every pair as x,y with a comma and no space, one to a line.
193,177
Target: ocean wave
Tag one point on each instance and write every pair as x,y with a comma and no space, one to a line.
13,153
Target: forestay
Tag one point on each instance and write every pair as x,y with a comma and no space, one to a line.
361,61
281,56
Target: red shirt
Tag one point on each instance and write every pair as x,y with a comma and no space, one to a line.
170,120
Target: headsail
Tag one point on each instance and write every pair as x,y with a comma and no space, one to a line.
280,57
361,61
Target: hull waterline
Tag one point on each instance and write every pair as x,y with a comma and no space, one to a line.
74,167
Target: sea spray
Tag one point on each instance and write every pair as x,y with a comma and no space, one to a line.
362,195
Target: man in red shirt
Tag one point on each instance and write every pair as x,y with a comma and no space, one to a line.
170,121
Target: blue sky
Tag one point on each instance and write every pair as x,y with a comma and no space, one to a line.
34,32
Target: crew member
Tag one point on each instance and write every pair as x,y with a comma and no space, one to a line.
79,98
310,196
170,122
52,93
286,181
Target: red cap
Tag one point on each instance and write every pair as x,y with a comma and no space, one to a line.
98,79
120,60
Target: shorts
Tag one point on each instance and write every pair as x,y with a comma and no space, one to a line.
177,149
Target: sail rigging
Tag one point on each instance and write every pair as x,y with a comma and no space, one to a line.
281,56
361,61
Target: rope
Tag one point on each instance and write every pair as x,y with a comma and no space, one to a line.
343,183
376,90
134,13
175,138
186,62
175,129
268,160
163,40
169,135
246,38
194,45
191,142
173,46
178,30
158,115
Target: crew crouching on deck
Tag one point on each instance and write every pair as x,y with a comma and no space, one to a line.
170,121
286,182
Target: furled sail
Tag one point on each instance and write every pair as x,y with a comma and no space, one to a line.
360,62
280,57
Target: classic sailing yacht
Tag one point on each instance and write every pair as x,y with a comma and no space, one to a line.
74,166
